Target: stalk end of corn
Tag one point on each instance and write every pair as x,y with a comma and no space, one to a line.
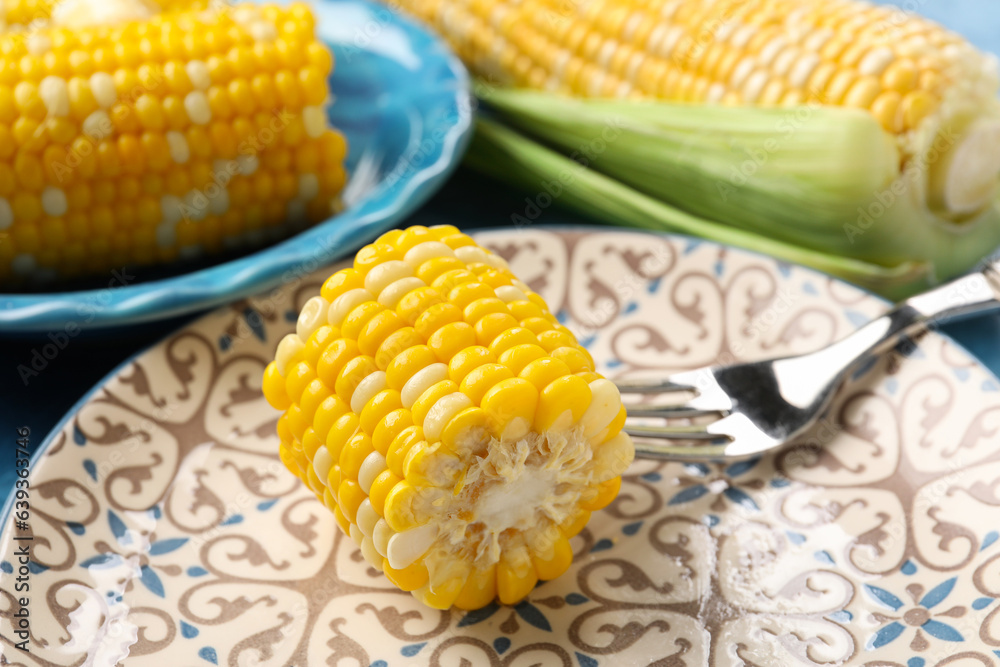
457,431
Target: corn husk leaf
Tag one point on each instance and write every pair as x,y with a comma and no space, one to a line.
505,154
822,179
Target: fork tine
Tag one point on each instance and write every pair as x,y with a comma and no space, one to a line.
691,454
650,386
692,432
678,411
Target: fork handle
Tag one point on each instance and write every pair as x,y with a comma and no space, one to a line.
969,294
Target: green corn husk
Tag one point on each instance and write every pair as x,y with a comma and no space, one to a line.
504,154
820,186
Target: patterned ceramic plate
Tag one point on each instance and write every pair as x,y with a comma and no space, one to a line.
167,533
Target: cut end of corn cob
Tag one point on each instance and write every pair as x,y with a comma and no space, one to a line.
926,85
140,141
457,431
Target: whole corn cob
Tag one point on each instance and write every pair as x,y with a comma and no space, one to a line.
927,86
457,431
145,141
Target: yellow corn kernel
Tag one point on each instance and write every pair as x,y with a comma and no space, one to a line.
312,396
435,318
511,406
355,450
333,359
274,388
543,371
557,563
380,489
342,430
605,492
391,425
349,498
378,408
468,359
518,357
562,403
358,318
410,578
405,364
400,446
450,339
429,397
516,576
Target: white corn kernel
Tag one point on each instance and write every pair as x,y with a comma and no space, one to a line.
198,72
373,466
371,554
405,548
180,152
248,164
38,44
422,252
391,295
386,273
381,536
372,384
605,403
421,381
471,254
102,85
263,31
198,110
802,70
314,120
322,462
171,209
875,62
613,457
509,293
442,412
54,202
367,517
288,349
97,125
356,534
308,186
345,303
312,317
55,95
754,86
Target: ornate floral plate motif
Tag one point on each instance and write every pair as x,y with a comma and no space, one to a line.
167,533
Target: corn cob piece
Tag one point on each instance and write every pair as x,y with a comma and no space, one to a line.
457,431
927,86
148,141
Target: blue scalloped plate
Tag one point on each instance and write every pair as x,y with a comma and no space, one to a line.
402,101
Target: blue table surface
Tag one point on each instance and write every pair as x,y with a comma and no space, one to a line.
467,201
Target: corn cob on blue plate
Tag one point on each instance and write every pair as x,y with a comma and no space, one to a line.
400,100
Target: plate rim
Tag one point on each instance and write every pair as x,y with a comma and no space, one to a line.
324,243
50,437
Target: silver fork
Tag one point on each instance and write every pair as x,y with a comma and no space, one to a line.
762,405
